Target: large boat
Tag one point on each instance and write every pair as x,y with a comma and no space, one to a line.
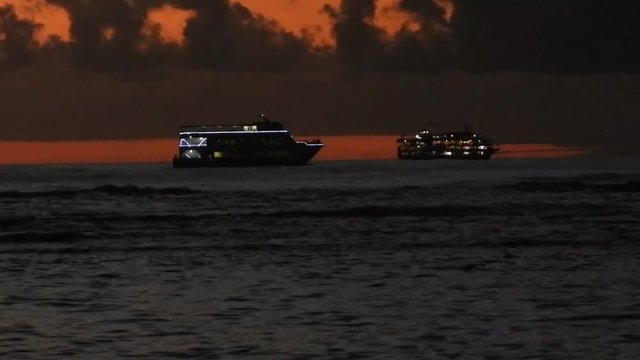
263,142
461,144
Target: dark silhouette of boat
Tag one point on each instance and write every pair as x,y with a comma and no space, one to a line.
263,142
462,144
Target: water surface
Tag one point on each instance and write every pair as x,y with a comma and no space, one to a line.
507,258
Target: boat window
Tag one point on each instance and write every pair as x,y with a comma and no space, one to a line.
226,141
191,154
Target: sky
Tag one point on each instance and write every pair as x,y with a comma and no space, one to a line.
561,72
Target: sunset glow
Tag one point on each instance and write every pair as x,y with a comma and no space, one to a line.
296,16
365,147
171,21
540,151
299,17
55,21
390,18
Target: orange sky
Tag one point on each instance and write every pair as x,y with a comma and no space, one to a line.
55,20
294,15
365,147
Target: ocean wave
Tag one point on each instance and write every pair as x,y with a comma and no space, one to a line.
108,219
126,190
505,247
594,183
379,212
40,237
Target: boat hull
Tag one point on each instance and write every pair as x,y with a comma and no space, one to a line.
485,155
300,155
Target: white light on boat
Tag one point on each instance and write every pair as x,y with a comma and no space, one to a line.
232,132
191,154
193,142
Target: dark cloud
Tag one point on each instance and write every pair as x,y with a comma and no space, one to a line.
430,47
223,35
555,36
548,35
109,35
498,35
17,45
359,43
228,36
363,46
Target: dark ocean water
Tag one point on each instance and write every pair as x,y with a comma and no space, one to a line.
499,259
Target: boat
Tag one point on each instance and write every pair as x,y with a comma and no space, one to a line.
263,142
455,144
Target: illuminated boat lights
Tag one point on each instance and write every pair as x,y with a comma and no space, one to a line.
310,144
233,132
185,143
463,144
261,143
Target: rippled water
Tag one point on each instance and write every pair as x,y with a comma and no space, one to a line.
507,258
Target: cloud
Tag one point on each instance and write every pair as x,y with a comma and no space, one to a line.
109,34
557,36
228,36
224,36
363,46
359,43
548,35
428,48
17,44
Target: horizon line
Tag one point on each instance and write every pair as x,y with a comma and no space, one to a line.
160,150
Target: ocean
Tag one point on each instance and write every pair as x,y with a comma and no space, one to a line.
499,259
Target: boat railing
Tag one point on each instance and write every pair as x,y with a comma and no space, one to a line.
404,137
209,128
310,142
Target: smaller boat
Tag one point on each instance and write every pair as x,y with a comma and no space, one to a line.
461,144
